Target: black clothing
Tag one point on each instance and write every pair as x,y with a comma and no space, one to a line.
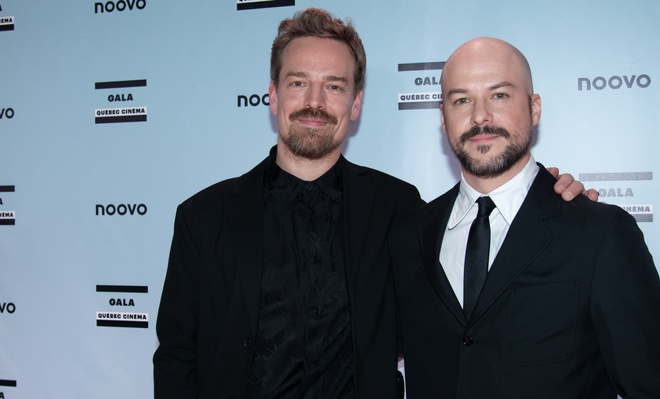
302,347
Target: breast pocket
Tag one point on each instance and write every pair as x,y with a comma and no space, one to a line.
541,324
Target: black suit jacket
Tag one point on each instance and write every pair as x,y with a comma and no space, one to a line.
209,307
570,307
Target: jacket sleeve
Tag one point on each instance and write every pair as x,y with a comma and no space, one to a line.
175,360
625,310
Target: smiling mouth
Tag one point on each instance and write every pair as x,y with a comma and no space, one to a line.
487,132
484,137
315,117
313,121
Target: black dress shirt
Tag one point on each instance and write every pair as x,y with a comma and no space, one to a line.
303,344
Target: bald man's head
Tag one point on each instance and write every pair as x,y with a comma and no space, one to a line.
489,110
485,51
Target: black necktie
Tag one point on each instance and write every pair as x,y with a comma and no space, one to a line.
476,255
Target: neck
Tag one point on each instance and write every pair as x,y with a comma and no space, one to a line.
487,184
304,168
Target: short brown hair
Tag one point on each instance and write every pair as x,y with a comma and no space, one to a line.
318,23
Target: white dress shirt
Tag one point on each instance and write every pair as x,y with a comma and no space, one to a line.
508,199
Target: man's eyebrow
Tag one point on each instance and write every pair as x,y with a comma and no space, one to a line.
490,88
501,85
333,78
295,74
328,78
456,91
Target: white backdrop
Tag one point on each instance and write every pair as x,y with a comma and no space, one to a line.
88,191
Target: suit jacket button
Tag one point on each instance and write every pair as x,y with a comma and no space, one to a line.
247,343
467,341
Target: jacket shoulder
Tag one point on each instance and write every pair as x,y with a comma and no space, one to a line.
580,208
382,181
240,186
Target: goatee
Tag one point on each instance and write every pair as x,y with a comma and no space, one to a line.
496,165
309,142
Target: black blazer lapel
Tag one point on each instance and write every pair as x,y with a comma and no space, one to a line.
358,196
526,239
430,236
246,223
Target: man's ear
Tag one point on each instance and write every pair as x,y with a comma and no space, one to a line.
442,117
536,109
272,97
357,106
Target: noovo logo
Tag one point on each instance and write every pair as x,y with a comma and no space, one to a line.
121,209
7,308
615,82
254,100
121,5
7,113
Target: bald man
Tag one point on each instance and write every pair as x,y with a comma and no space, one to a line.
563,301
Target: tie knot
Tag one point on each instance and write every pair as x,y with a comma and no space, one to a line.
486,206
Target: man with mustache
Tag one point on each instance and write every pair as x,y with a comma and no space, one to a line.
279,282
562,301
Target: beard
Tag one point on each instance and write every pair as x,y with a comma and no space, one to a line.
310,142
496,165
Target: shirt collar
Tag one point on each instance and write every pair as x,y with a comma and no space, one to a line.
285,186
508,197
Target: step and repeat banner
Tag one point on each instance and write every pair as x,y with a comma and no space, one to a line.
112,112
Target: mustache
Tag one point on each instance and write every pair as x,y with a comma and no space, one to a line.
477,130
315,113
